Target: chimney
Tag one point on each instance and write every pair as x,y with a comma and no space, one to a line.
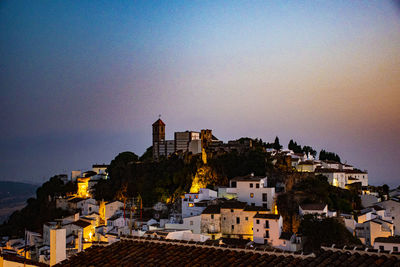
57,245
80,240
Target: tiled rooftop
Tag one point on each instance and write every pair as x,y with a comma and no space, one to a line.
151,252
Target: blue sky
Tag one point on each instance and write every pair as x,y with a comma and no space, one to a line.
82,81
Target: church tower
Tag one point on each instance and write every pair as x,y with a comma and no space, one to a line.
158,137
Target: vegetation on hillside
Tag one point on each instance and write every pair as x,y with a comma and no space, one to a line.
298,149
38,210
324,231
314,189
325,155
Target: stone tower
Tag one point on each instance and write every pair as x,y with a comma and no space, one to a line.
158,137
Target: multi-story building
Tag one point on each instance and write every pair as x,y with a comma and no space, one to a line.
194,203
183,139
254,191
368,231
237,219
392,208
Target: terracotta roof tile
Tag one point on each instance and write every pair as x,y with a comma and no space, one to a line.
142,252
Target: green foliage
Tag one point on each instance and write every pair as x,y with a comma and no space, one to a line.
234,164
318,190
298,149
326,231
294,147
308,149
39,209
153,180
277,145
147,155
324,155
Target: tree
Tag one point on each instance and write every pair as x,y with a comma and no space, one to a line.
276,144
324,155
308,149
385,189
327,231
147,155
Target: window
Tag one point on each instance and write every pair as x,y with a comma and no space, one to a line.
265,205
265,197
247,218
266,224
257,221
212,216
395,249
190,205
258,230
224,218
233,227
233,184
231,210
267,234
251,195
197,196
253,204
191,222
237,220
381,248
257,185
213,237
251,185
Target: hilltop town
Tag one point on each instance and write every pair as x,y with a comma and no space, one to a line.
196,189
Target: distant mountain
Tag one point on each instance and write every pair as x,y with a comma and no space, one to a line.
13,196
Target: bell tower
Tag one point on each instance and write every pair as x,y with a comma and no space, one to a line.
158,137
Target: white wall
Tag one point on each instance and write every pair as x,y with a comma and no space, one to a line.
57,246
193,223
247,191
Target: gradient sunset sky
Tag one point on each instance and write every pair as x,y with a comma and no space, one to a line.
82,81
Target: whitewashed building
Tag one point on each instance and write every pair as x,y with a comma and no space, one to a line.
254,191
193,204
392,207
267,229
391,243
368,231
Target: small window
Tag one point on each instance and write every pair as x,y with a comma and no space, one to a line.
381,248
258,230
266,234
251,185
197,196
247,218
190,205
212,216
251,195
233,227
224,218
191,222
231,210
265,197
395,249
257,221
257,185
237,220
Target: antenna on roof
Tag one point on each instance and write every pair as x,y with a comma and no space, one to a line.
159,116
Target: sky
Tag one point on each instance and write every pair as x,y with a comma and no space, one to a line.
81,81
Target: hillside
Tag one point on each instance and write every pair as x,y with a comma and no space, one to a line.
13,196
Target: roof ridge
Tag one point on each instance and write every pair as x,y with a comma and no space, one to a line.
196,244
